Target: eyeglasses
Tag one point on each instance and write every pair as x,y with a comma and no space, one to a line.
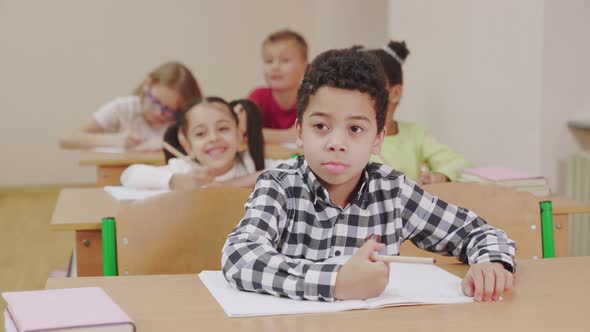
166,111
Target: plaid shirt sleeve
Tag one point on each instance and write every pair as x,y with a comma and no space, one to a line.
250,258
437,226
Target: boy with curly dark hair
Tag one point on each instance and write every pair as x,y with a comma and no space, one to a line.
329,202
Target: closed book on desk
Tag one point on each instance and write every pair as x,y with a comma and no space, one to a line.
505,175
70,309
508,177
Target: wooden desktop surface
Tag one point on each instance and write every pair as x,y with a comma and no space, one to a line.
82,208
93,158
549,295
565,205
110,166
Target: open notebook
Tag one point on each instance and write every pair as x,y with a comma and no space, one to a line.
124,194
410,284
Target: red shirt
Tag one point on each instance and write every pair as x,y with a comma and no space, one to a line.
273,116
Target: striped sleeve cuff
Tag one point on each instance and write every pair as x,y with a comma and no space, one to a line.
319,282
502,258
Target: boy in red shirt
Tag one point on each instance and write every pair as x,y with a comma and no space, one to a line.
284,55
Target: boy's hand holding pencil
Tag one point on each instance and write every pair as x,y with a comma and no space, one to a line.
366,273
361,277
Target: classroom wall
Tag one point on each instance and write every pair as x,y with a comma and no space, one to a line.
474,75
497,79
62,59
566,80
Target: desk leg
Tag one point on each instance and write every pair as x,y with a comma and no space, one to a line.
89,253
109,175
561,230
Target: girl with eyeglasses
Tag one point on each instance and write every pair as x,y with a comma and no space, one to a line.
138,122
223,139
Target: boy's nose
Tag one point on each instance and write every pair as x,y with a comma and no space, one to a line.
336,143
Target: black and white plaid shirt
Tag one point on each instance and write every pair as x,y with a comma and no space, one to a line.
291,227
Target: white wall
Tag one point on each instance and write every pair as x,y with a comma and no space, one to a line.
497,80
61,59
566,78
474,75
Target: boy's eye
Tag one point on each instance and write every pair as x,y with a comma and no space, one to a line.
284,60
200,134
320,126
356,129
222,129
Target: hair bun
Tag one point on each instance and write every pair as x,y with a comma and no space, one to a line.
399,48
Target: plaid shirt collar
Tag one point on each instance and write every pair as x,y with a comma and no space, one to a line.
320,192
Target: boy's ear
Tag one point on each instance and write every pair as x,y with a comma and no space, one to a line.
298,139
185,144
395,94
378,142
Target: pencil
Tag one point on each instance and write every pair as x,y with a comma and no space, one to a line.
403,259
179,154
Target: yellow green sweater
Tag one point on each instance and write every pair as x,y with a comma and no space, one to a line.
413,146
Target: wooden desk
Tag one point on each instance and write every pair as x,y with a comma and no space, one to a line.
549,295
279,152
111,165
563,206
81,210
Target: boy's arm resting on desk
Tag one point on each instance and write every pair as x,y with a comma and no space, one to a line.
437,226
250,258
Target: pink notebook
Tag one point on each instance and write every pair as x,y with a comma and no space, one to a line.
500,173
66,309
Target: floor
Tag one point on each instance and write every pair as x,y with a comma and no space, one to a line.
30,251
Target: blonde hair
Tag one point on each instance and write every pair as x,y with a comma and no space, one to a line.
175,76
286,34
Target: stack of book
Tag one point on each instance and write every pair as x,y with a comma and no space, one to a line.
517,179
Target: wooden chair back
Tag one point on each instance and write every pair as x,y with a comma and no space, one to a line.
177,232
515,212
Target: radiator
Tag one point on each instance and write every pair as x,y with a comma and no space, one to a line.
577,186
